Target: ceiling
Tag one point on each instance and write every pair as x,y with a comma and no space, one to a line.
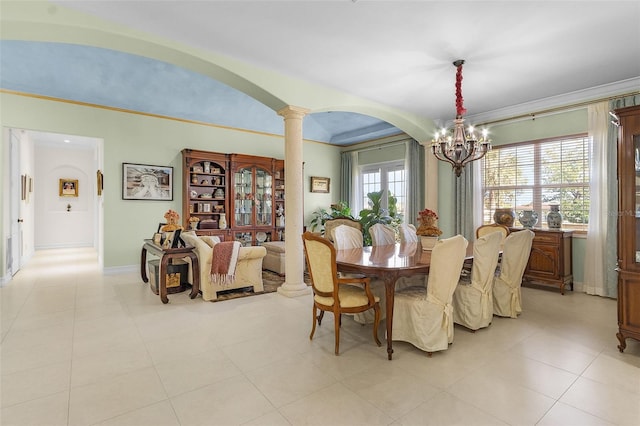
400,53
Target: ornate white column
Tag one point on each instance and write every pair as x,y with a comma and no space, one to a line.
294,284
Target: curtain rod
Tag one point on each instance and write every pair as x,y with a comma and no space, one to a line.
557,109
379,146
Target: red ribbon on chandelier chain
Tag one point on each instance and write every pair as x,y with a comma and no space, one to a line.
460,110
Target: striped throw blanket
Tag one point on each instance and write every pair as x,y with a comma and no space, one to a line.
224,260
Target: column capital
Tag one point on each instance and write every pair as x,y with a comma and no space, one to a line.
291,111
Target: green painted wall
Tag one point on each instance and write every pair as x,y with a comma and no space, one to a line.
562,124
134,138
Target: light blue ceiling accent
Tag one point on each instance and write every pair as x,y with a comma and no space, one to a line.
121,80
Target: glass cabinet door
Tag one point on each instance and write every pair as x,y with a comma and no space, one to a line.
243,203
263,198
636,146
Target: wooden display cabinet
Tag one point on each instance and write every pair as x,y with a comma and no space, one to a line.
252,201
278,197
205,191
628,225
550,258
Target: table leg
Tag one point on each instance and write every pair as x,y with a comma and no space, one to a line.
143,265
195,271
390,289
162,282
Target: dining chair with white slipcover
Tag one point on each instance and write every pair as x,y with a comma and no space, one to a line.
423,316
382,235
408,236
347,237
507,298
336,294
407,233
473,298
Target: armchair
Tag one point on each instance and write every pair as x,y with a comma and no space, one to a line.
248,269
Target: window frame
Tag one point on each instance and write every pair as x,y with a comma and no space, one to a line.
384,168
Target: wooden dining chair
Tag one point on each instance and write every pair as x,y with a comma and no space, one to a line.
492,227
333,293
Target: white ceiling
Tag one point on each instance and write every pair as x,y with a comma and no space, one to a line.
400,53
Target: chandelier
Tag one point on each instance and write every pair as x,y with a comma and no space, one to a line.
461,146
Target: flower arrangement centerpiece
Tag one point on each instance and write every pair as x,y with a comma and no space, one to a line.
172,217
427,229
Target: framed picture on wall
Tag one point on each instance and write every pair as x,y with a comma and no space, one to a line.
319,184
145,182
68,187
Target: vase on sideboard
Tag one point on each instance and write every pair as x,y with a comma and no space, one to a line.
528,218
554,217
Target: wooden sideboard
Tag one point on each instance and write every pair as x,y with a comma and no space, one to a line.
550,258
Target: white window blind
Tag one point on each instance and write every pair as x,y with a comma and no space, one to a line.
534,175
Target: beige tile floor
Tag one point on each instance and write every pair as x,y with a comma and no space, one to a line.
84,348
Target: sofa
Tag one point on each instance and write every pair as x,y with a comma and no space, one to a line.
248,269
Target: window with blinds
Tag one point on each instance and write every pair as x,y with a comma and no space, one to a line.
534,175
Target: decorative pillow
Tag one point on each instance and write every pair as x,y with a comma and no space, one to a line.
192,239
211,241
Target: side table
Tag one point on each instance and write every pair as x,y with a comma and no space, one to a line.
166,255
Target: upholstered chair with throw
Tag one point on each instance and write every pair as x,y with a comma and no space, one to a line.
336,294
473,299
248,271
507,299
424,316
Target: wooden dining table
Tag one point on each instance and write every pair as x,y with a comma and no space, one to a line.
388,262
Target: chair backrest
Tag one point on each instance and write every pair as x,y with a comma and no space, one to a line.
407,233
331,224
382,235
346,237
447,258
321,263
492,227
515,256
486,251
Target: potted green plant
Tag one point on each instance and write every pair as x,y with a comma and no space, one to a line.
377,214
321,215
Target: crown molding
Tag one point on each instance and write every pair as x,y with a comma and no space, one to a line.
571,100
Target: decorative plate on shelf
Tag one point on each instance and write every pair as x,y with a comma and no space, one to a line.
194,193
261,237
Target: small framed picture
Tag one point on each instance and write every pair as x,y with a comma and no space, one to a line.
157,238
206,208
319,184
197,168
145,182
68,187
